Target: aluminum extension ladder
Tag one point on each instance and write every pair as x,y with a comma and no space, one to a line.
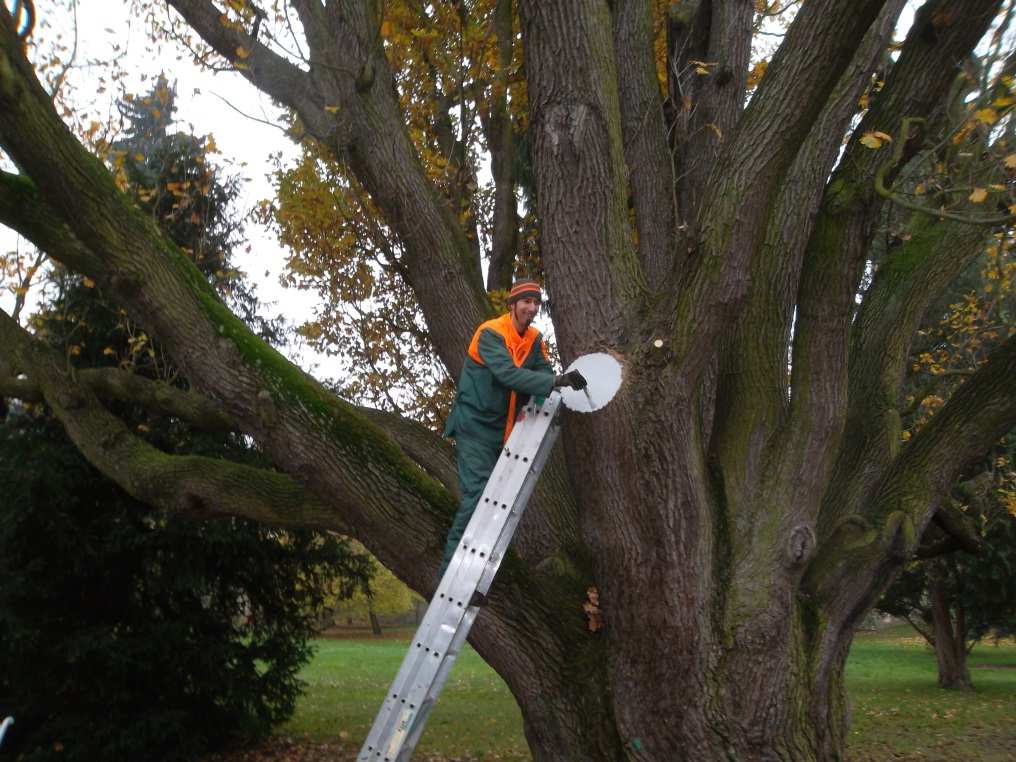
449,617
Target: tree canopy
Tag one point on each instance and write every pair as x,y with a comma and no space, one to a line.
757,241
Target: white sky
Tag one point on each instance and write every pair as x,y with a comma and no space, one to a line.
207,103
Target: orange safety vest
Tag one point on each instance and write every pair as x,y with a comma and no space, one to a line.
519,348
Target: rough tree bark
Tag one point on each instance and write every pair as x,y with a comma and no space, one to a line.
950,639
737,522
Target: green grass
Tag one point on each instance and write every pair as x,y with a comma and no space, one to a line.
899,712
476,716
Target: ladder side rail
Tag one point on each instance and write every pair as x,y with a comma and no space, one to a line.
447,624
548,433
434,618
420,721
408,707
515,514
524,448
421,664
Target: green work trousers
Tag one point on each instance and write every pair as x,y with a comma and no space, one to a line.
477,457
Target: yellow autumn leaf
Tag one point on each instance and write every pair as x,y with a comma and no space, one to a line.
871,140
332,109
109,351
986,115
1010,161
74,350
978,196
756,73
88,282
242,52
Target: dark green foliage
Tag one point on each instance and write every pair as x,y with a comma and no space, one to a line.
128,634
979,590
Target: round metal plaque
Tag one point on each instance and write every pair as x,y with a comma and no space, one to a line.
603,373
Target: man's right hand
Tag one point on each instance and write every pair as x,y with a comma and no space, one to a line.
573,378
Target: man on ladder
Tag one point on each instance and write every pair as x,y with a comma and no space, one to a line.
507,363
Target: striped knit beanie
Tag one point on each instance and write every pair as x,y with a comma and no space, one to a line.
524,288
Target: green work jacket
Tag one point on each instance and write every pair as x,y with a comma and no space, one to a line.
502,371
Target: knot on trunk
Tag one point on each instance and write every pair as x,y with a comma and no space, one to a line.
800,545
565,124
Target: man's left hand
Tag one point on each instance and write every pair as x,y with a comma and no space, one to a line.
572,378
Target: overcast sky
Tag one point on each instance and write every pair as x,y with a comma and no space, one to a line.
207,103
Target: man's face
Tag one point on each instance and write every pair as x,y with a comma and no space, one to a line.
524,310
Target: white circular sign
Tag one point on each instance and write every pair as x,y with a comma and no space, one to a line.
603,375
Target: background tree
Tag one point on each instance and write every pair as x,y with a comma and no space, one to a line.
383,595
127,631
955,601
701,236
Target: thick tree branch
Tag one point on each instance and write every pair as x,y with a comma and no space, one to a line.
194,485
907,281
941,38
156,396
852,566
350,75
269,72
818,48
578,155
501,143
972,420
651,173
23,209
382,495
707,71
959,527
203,414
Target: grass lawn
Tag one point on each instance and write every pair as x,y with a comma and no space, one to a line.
899,713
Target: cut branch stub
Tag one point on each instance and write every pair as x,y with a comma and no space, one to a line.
800,545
